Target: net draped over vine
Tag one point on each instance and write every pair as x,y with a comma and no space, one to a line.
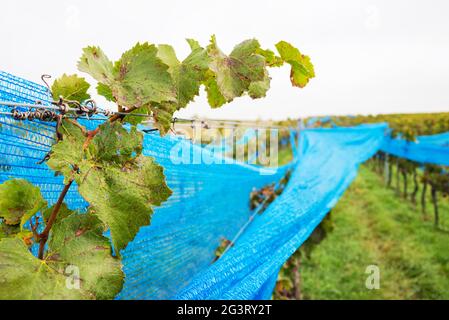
172,258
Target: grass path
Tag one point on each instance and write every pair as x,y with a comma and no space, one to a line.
373,226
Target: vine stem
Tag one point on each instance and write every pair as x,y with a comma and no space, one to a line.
44,235
119,116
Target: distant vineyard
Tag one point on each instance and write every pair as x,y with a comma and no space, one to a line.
403,171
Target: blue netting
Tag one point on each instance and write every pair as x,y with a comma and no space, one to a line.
441,139
173,257
426,150
329,159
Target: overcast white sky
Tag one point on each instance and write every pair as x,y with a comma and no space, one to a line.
370,56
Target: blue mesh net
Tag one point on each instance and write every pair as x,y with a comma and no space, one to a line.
328,162
172,258
441,139
427,150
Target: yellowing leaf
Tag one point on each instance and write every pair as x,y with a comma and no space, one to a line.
19,201
270,58
301,68
235,73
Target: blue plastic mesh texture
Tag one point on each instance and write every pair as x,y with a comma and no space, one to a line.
328,162
441,139
427,150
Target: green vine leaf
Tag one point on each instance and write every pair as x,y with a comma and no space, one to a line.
70,88
214,96
258,89
78,240
193,44
167,54
97,64
105,91
115,145
187,76
8,231
68,153
271,59
14,231
136,80
130,195
63,212
25,277
301,68
235,73
120,184
19,201
163,115
142,78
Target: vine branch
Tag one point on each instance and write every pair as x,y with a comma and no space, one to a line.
89,136
44,235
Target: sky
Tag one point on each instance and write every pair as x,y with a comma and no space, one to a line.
370,57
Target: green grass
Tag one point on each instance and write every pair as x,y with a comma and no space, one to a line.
285,155
373,226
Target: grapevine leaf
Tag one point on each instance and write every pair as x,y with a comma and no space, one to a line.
68,153
137,79
123,197
168,56
258,89
187,79
105,91
235,73
193,44
214,96
163,116
63,212
78,240
141,78
120,183
96,63
271,59
14,231
301,68
115,144
7,231
189,76
25,277
19,201
70,88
